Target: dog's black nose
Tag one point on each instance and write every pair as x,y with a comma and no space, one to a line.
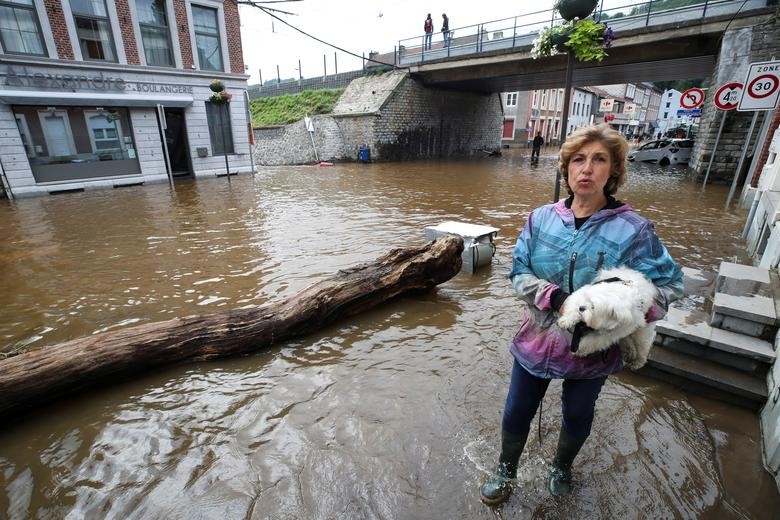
583,308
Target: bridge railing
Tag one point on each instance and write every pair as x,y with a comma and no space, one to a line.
522,30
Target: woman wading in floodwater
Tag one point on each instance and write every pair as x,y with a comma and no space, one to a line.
561,248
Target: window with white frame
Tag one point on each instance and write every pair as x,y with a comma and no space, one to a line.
93,29
544,99
535,102
104,133
630,90
511,99
20,32
155,32
207,37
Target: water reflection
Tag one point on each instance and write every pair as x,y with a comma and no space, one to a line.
391,414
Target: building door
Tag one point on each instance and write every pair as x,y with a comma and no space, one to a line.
509,129
176,139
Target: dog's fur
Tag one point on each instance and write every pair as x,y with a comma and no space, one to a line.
615,310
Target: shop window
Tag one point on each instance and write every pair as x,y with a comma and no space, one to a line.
93,29
153,21
220,131
68,143
20,32
207,38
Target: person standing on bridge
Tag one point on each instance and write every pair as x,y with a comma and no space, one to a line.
428,32
445,29
537,147
561,248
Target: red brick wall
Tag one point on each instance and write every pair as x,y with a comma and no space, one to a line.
773,124
182,30
58,29
233,29
128,35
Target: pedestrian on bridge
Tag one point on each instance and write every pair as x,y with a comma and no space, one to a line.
445,29
428,32
562,248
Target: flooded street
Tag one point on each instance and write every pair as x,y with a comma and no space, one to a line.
392,414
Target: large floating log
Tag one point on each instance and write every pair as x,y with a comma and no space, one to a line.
40,376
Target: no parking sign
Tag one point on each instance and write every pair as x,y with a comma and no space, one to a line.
762,87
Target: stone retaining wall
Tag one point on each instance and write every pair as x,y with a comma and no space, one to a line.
397,117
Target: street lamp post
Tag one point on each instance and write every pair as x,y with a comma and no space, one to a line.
569,10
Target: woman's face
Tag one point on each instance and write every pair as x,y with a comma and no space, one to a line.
589,170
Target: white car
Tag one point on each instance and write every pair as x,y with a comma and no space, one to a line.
664,152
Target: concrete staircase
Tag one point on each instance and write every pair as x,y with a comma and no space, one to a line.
718,340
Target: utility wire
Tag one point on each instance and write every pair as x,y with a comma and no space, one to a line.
268,10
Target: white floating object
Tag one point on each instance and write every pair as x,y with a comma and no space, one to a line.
478,247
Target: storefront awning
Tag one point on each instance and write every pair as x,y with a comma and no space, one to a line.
29,97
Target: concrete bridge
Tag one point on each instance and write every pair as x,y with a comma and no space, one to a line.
679,43
446,105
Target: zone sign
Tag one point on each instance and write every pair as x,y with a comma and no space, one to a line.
762,87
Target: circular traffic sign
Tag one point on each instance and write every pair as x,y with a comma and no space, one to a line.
727,96
762,86
692,98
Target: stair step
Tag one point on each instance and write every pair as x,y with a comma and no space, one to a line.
755,308
706,377
692,326
739,280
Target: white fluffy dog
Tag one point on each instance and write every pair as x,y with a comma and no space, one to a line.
614,307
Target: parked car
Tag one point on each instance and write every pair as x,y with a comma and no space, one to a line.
663,152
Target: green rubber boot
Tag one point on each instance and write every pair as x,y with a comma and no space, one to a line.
559,483
498,487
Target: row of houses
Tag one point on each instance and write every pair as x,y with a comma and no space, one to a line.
104,93
633,109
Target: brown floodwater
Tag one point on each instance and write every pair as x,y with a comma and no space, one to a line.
393,414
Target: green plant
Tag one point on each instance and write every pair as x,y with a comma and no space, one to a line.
216,85
282,110
587,39
223,96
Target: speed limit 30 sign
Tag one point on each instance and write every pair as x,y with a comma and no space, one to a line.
762,87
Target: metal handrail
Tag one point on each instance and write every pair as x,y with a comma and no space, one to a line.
473,39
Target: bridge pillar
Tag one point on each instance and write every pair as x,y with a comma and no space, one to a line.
739,48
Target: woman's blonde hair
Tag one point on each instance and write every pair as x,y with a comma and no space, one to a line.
615,143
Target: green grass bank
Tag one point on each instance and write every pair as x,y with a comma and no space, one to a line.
282,110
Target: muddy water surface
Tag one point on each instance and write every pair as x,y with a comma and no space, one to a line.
392,414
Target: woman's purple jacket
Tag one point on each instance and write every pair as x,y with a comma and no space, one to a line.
551,254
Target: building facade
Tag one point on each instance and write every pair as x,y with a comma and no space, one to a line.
102,93
516,113
632,109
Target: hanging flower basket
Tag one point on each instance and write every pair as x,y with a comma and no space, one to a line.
217,86
587,39
221,97
571,9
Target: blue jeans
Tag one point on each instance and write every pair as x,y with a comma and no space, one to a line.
427,41
578,402
446,38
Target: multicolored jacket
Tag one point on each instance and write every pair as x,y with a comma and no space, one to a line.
551,254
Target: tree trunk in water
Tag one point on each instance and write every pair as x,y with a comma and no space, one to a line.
43,375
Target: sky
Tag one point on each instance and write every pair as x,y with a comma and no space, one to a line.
354,25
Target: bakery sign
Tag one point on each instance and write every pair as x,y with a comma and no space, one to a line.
21,77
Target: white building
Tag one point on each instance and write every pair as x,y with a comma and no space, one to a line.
667,113
103,94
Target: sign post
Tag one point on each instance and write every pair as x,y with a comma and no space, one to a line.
726,98
761,92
